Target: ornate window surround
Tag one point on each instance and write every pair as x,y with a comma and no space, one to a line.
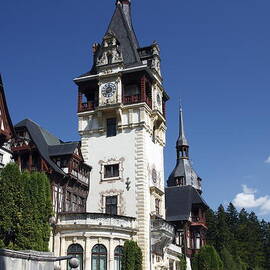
111,161
120,200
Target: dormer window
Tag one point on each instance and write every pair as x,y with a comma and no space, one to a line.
109,58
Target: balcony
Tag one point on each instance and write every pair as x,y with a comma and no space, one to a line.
97,221
137,99
87,106
198,221
80,176
162,234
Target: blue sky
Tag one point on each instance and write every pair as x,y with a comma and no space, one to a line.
215,55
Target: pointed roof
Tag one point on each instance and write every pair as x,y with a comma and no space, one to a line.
183,169
180,200
48,145
121,26
182,140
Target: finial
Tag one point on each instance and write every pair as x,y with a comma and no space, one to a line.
182,138
119,2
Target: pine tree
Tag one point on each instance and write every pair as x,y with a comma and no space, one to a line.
255,242
211,222
223,236
265,227
232,219
228,261
207,259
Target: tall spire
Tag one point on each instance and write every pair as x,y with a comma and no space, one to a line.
182,141
182,146
126,9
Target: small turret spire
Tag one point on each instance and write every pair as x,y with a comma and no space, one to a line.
182,138
182,145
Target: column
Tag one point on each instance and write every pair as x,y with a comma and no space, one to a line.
111,255
63,252
87,254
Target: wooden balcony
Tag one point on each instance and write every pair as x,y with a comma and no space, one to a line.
87,106
137,99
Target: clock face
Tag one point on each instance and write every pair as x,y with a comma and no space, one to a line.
108,90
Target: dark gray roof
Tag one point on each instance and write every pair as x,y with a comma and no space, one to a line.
47,144
63,149
125,34
121,27
179,201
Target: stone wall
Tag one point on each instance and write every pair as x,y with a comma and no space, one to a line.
26,260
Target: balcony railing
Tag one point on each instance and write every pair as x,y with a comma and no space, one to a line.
137,99
196,219
80,176
98,220
87,106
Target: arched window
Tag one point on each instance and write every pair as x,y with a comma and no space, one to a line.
99,258
76,251
118,256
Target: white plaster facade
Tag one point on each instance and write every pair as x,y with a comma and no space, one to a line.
136,150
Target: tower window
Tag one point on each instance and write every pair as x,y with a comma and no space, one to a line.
111,171
110,58
111,127
111,205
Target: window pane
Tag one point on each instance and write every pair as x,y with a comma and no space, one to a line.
111,127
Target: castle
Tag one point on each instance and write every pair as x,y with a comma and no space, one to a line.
110,186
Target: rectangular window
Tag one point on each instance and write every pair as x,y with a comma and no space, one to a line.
111,171
1,157
111,205
111,127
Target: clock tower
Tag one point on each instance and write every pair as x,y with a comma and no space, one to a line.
121,111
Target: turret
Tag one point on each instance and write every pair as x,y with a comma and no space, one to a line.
183,173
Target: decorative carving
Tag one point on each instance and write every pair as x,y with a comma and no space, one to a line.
128,184
120,200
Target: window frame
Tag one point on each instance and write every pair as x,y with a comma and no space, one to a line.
114,167
111,128
76,254
111,206
118,257
99,255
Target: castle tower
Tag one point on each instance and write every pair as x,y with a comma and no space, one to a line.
121,111
183,173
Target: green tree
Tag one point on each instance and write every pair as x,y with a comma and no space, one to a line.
207,259
232,219
223,235
228,261
27,208
11,199
265,227
211,233
132,258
